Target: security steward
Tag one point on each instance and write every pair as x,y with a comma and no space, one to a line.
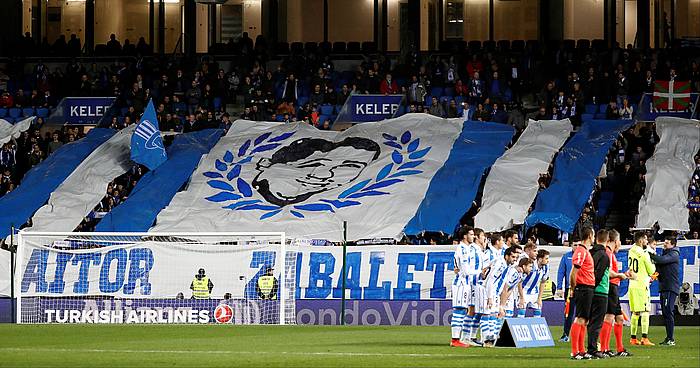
201,286
267,285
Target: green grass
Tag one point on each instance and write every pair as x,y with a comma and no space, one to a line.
299,346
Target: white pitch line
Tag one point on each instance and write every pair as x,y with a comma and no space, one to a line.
233,352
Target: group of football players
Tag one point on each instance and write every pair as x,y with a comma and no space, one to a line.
497,278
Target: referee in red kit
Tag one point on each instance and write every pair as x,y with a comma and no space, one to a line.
582,280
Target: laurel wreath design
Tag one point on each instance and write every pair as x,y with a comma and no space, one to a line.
405,159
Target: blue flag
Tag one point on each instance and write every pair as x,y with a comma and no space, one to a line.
146,143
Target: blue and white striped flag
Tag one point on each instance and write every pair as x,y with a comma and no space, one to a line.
146,144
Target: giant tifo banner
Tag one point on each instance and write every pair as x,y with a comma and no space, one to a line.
155,270
296,179
81,110
365,108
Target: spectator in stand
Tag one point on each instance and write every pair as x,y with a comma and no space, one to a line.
569,110
192,125
436,108
481,114
8,158
193,97
316,97
497,114
626,110
343,95
474,66
476,89
114,47
612,112
623,88
290,90
35,156
54,145
638,155
548,96
373,82
388,86
329,95
452,111
417,90
556,114
496,88
541,114
21,100
225,122
6,100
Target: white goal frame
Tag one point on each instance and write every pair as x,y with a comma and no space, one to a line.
22,235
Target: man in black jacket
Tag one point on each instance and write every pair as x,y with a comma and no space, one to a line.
668,266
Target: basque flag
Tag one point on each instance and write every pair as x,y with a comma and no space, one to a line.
146,144
671,95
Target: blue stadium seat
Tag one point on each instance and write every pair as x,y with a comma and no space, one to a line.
3,112
436,91
448,91
10,119
280,117
445,99
42,112
327,109
602,108
123,111
323,118
217,103
459,99
428,101
587,117
591,109
28,111
15,112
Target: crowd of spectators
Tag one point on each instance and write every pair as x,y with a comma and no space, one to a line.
117,192
484,83
20,155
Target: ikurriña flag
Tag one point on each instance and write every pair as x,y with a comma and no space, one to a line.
671,95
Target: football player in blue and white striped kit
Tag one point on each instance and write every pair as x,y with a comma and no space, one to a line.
492,252
475,276
513,279
533,284
461,292
495,283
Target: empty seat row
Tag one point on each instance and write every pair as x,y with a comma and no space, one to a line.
17,113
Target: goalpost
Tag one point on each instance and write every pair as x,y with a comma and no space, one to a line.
234,278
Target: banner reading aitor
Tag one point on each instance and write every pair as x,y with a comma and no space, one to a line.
364,108
81,110
151,271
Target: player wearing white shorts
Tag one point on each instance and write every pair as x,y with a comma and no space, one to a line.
475,276
492,253
461,292
533,285
514,277
495,283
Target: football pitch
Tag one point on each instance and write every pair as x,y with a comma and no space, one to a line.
300,346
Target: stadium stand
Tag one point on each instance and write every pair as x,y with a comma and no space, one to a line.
505,81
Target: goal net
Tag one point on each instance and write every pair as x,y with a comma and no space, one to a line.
236,278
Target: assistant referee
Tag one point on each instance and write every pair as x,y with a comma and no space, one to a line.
582,281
